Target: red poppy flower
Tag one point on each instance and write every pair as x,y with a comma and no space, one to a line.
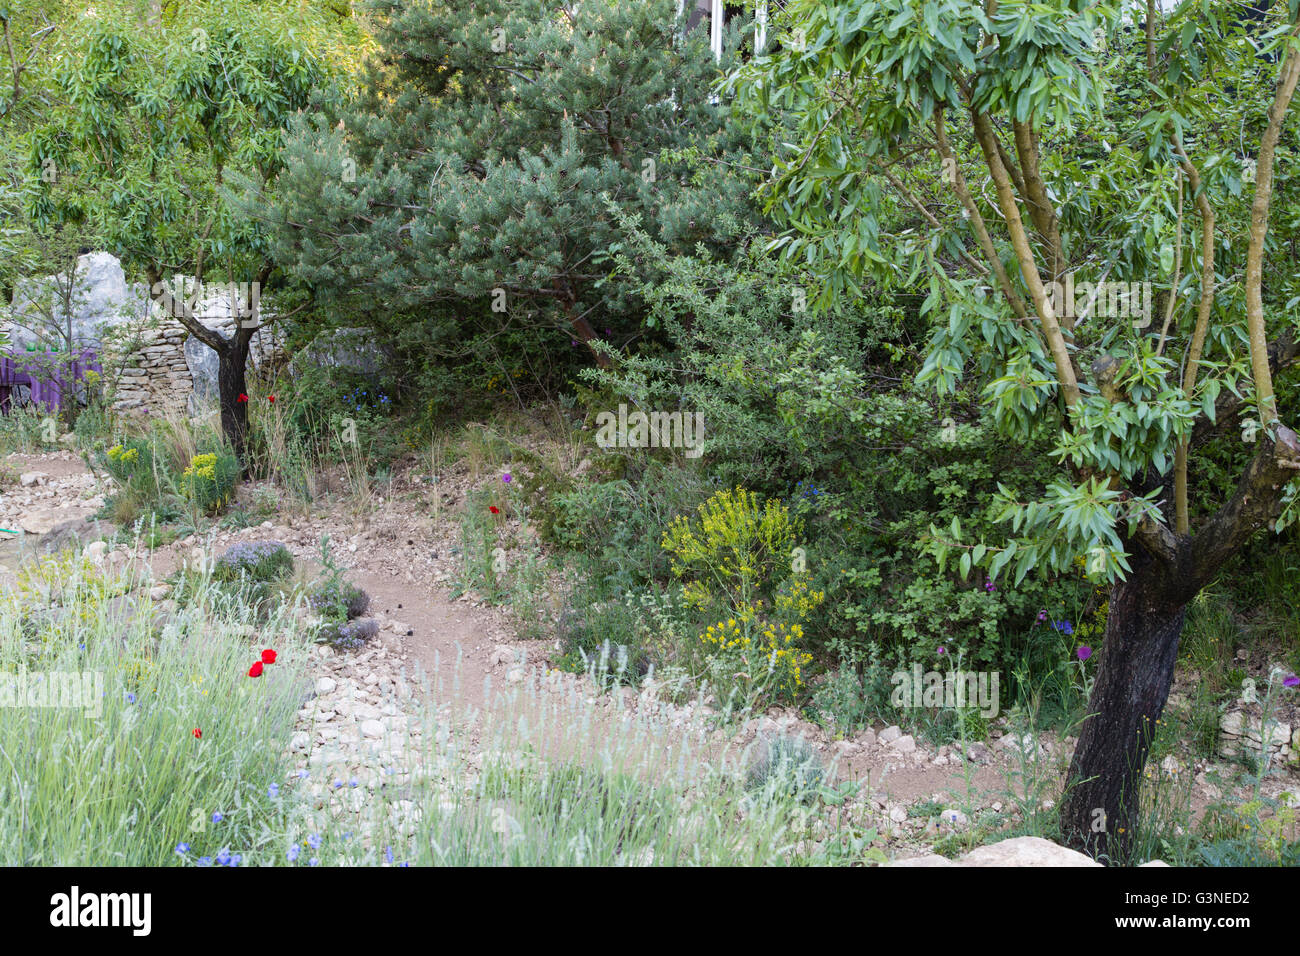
494,509
197,733
268,656
271,399
255,670
242,398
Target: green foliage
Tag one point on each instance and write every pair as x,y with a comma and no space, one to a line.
209,481
457,206
262,561
787,766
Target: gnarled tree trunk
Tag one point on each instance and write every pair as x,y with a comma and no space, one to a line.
1134,674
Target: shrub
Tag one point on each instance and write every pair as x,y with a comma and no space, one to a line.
348,635
261,561
209,481
336,599
736,552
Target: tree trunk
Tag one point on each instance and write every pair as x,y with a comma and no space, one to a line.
231,384
1134,674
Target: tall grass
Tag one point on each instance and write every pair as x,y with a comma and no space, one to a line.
125,781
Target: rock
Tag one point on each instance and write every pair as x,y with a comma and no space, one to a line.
39,522
905,744
1025,851
890,734
325,685
160,593
372,728
67,534
897,814
300,741
96,550
1154,863
978,753
32,479
867,738
954,817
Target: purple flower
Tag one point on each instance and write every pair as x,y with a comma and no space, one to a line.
293,853
942,650
388,854
1291,681
273,791
506,478
1084,652
989,586
1063,626
1042,616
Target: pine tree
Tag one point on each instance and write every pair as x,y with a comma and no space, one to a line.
476,172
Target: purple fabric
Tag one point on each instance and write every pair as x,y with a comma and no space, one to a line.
48,375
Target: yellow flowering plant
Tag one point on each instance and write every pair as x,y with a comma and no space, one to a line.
735,551
209,481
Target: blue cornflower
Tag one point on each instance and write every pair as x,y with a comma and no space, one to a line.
130,697
203,861
1063,626
314,841
234,860
313,862
338,784
303,775
273,791
404,864
354,783
388,854
218,817
182,849
293,853
223,856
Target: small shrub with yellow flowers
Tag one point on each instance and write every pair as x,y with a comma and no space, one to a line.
209,481
735,552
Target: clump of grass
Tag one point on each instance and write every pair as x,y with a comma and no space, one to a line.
786,766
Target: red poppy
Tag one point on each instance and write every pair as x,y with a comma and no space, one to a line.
268,656
197,733
255,670
271,399
494,509
242,398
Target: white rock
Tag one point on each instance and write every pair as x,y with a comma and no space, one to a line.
32,479
96,550
325,685
905,744
890,734
372,728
